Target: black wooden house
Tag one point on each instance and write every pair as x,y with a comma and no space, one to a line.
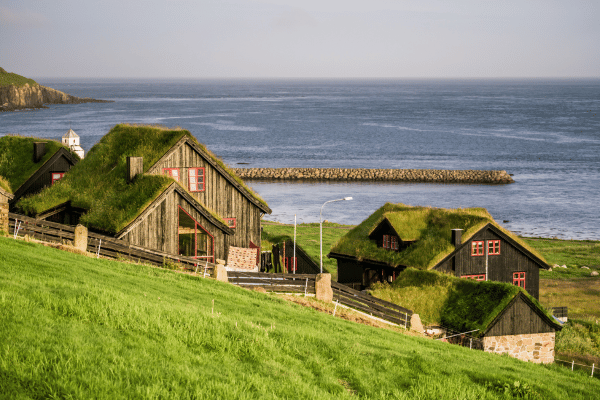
31,164
465,242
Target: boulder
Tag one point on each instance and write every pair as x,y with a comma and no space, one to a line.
594,273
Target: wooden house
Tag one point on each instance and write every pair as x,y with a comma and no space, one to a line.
465,242
29,164
302,263
492,316
160,189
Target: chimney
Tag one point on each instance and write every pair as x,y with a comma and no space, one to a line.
39,149
456,237
135,166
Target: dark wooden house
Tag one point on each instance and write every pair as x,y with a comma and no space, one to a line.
302,263
465,242
31,164
161,189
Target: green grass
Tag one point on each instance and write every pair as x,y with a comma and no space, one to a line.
77,327
572,253
308,237
580,337
9,78
16,159
430,227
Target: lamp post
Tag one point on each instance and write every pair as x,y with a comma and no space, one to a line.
321,226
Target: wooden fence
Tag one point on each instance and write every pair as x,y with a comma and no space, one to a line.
100,244
288,283
371,305
305,283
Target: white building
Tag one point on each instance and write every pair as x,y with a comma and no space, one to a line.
71,140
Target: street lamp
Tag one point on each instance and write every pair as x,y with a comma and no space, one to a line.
321,225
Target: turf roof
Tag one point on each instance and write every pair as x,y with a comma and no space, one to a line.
98,183
429,227
468,305
16,159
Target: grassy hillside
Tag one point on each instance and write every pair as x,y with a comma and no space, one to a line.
9,78
77,327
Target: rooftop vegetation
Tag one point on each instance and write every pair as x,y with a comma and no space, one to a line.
460,304
78,327
430,227
98,183
9,78
16,159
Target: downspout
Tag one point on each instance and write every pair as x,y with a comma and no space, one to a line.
485,248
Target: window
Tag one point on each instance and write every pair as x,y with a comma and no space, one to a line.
386,241
519,279
477,248
194,241
57,176
394,243
493,247
196,179
230,222
172,172
480,277
294,264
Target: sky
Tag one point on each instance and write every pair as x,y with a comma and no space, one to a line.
300,38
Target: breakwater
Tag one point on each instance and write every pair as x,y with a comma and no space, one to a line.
380,175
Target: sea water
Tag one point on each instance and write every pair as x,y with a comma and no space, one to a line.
544,132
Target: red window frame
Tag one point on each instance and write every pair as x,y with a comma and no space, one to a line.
231,222
394,243
196,174
210,258
294,262
493,247
519,279
386,241
477,277
477,248
54,176
169,171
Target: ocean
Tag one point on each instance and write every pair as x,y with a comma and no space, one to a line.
544,132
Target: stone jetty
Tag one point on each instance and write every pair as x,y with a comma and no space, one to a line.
377,175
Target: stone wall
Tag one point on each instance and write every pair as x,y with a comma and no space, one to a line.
536,347
3,214
363,174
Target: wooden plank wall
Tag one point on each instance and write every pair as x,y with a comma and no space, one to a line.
519,319
219,195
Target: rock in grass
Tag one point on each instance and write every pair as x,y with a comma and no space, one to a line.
594,273
584,267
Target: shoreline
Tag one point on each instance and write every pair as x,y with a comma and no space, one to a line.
489,177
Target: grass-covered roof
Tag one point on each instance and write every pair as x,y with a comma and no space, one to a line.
98,183
16,159
430,228
459,304
9,78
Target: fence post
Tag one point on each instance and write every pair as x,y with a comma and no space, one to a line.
81,238
572,365
306,286
593,365
323,290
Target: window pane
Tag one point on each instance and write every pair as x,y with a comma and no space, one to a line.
192,172
187,230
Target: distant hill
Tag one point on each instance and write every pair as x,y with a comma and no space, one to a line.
9,78
18,92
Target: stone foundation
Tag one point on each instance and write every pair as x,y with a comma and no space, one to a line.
363,174
535,347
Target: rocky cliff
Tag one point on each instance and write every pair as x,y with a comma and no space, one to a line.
14,97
